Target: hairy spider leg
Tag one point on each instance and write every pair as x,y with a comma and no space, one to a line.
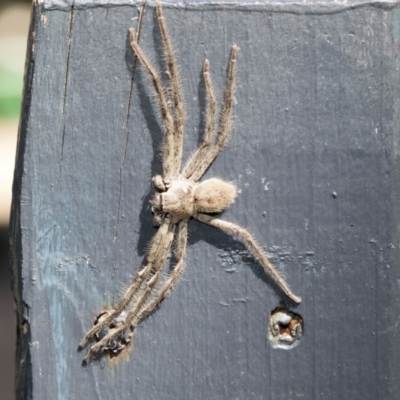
152,259
168,153
209,132
253,246
225,122
144,293
169,283
178,110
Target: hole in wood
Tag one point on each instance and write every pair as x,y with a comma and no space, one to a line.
285,328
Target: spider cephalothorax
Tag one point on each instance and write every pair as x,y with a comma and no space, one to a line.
179,197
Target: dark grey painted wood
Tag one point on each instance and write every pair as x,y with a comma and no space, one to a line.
314,152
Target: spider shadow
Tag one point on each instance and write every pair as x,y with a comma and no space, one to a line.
202,96
147,230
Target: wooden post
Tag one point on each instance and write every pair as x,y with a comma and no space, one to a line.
314,152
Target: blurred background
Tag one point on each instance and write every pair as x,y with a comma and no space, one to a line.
14,24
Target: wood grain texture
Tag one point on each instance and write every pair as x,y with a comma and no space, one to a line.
314,152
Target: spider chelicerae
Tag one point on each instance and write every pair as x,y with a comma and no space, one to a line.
179,197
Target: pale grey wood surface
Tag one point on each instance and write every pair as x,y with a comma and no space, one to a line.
314,152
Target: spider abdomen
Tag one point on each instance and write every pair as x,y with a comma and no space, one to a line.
213,195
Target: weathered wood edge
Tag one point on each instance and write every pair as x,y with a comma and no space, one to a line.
295,6
23,377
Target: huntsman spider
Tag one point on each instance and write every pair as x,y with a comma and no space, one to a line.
179,197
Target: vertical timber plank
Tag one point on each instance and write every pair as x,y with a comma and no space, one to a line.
314,152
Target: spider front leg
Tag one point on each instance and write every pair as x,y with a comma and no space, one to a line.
253,246
173,116
166,113
176,92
